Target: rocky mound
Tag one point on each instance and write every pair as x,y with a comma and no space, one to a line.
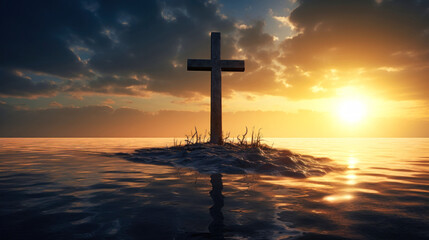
235,159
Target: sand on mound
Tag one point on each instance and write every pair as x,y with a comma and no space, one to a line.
235,159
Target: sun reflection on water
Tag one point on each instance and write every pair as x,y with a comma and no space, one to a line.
352,162
338,198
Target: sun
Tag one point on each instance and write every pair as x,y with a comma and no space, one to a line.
352,110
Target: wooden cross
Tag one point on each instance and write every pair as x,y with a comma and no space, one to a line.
216,65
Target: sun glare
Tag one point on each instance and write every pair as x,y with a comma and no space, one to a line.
352,110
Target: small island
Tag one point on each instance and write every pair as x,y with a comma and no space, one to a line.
234,156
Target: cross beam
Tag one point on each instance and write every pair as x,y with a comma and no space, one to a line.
216,66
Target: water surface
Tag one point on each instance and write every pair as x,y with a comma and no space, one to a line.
70,189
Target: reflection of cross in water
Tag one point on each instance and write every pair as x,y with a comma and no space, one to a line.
216,226
216,65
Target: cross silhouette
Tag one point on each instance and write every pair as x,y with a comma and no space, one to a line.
216,66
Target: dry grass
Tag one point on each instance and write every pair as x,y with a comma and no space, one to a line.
193,138
196,138
255,139
246,140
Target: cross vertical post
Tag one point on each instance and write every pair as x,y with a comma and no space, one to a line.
216,92
216,66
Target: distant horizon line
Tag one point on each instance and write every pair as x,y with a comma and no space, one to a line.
185,137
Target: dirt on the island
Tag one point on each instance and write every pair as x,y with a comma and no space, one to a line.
235,159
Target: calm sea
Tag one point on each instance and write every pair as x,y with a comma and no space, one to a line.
71,189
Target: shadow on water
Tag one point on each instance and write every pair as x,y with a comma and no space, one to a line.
216,227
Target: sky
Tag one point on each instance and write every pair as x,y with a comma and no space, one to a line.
331,68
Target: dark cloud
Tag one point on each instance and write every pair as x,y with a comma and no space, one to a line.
113,46
259,49
36,36
253,38
14,83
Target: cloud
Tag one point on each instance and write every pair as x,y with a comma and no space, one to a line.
284,21
253,38
36,36
124,47
140,48
17,84
359,36
104,121
55,104
259,51
108,101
